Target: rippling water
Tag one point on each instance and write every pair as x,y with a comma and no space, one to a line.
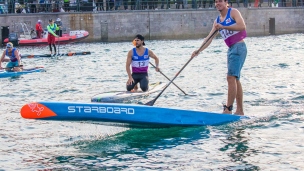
272,139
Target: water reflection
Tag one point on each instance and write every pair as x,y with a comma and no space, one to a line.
237,148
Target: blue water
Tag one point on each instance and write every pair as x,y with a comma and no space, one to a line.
272,139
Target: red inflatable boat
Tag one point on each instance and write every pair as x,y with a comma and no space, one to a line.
27,40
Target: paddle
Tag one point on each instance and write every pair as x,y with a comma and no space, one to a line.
58,46
48,55
169,80
151,103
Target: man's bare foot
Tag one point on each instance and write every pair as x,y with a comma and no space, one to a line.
239,113
17,69
133,90
226,111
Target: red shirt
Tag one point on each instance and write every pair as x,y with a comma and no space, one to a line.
38,27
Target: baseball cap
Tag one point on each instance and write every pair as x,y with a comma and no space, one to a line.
140,37
9,45
58,19
39,21
50,20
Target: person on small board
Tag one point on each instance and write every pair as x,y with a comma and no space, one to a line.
138,58
14,58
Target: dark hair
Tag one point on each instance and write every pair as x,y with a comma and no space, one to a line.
140,37
50,20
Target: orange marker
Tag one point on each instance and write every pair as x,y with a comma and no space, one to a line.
134,42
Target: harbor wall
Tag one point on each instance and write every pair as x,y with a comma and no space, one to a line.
161,25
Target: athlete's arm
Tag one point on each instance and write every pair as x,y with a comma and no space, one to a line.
18,57
152,55
128,63
2,57
205,44
240,24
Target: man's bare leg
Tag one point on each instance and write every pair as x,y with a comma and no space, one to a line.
232,91
239,99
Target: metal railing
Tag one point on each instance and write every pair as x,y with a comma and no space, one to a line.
49,6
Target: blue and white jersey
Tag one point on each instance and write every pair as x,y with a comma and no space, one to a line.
230,37
140,64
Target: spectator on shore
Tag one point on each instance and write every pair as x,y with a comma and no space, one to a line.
143,6
99,5
110,4
66,4
199,4
117,4
238,3
256,3
179,3
210,4
163,2
245,3
33,7
133,3
125,4
260,3
185,2
204,3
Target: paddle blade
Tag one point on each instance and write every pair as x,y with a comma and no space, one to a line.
30,56
150,103
71,54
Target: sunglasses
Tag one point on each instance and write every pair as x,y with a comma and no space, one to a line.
8,47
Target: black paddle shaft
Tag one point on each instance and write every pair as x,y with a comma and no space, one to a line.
169,80
151,103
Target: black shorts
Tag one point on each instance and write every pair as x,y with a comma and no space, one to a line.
142,79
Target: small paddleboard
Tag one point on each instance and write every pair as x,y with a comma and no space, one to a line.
121,96
4,73
123,113
51,55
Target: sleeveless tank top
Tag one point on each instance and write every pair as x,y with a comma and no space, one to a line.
230,37
12,57
140,63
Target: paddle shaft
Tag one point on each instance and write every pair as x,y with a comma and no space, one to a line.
58,43
169,79
63,54
151,103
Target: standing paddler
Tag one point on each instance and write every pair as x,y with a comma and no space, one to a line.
232,28
52,27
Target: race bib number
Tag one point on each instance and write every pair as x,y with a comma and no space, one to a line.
140,64
227,33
